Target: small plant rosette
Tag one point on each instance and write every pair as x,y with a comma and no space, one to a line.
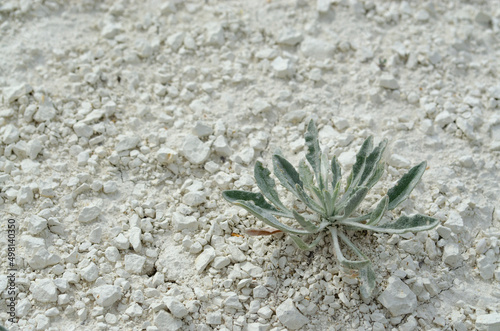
332,209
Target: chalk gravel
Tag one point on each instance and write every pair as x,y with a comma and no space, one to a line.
123,121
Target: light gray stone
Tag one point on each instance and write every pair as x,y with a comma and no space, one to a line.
195,150
398,297
290,316
44,290
193,199
127,142
12,93
88,214
202,130
134,237
90,272
181,222
454,222
134,263
215,34
389,82
36,224
282,68
317,48
221,146
488,322
204,259
83,130
166,155
451,255
45,112
107,295
10,134
165,321
176,307
290,37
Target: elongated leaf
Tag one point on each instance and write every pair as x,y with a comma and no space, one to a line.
359,165
266,217
354,201
379,211
257,198
379,171
302,245
405,185
267,186
307,178
414,223
340,257
367,277
308,201
306,224
372,161
324,173
286,174
313,155
329,207
336,171
262,232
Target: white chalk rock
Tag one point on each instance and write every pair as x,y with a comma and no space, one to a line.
134,263
134,237
466,127
290,37
176,307
260,292
260,106
398,161
322,6
12,93
88,214
282,68
389,82
83,130
443,118
166,155
112,254
95,235
204,259
127,142
44,290
165,321
121,242
202,130
398,298
90,272
181,222
455,222
317,49
488,322
111,30
221,146
45,112
290,316
193,199
175,40
10,134
233,302
215,35
486,265
214,318
451,255
36,224
195,150
106,295
245,156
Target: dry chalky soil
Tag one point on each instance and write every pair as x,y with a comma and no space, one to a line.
121,123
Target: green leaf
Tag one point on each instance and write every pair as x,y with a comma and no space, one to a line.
308,201
336,171
379,211
267,186
324,172
372,162
307,178
355,199
367,277
257,198
306,224
313,155
338,253
379,171
414,223
359,165
266,217
286,174
302,245
405,185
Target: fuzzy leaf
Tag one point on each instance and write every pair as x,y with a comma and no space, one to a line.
379,211
302,245
267,186
405,185
338,253
372,162
308,201
359,165
375,177
414,223
354,200
266,217
307,178
336,171
313,155
306,224
257,198
286,174
324,172
367,277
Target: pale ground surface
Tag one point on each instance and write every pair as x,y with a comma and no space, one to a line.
102,102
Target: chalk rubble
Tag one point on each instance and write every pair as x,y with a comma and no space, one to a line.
290,316
195,150
398,298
